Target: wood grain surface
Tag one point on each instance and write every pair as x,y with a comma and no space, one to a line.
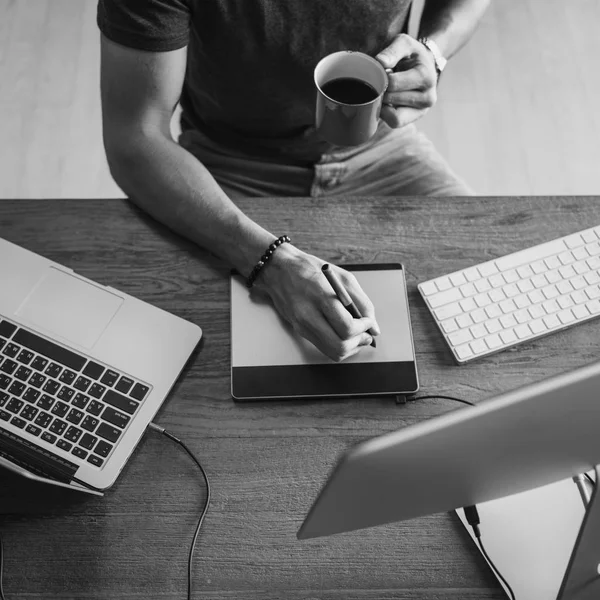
267,460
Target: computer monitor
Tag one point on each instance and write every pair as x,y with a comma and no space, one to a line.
523,439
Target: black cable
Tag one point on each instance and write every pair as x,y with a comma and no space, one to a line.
2,597
590,480
443,397
472,517
204,510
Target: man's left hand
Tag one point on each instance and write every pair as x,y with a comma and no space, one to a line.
412,87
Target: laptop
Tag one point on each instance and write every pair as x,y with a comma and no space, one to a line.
83,369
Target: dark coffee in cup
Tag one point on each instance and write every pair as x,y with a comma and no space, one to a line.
349,90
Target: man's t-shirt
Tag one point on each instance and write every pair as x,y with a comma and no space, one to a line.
249,79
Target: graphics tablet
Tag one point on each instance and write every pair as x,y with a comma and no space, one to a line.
268,360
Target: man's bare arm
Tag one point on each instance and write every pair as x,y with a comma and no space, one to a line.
139,93
450,23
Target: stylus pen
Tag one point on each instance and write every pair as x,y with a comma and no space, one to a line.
344,296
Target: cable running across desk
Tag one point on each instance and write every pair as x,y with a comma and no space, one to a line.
206,504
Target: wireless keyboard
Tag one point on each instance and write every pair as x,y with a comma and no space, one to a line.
519,297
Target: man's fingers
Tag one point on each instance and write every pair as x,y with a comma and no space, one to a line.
419,100
361,300
401,47
400,117
420,78
342,322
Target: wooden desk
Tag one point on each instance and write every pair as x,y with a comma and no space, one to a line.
267,461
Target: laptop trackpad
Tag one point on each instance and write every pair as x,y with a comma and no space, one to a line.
70,308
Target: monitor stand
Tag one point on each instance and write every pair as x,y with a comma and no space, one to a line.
582,576
544,541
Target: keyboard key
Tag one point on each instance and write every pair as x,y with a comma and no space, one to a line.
94,460
478,331
65,394
4,381
67,376
9,366
121,402
565,316
11,350
464,321
448,311
22,373
39,363
108,432
2,344
43,419
48,437
537,326
463,352
550,306
53,370
522,331
33,430
95,407
471,274
511,276
530,255
45,402
458,279
96,390
29,412
5,416
511,290
125,383
493,341
88,441
64,445
25,357
551,321
7,329
427,289
74,416
51,387
109,378
93,370
580,311
103,449
79,452
449,325
49,349
493,326
508,336
14,405
73,434
139,391
4,397
90,423
80,400
478,315
17,422
443,283
468,290
497,295
16,389
37,380
110,415
478,346
482,285
60,409
487,269
58,426
82,383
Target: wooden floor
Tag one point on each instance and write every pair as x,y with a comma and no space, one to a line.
518,110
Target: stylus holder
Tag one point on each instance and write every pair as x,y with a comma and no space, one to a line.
582,576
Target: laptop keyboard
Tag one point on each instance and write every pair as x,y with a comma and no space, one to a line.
79,406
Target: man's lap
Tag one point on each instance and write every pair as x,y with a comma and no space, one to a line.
398,162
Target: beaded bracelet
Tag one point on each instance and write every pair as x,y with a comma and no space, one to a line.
264,259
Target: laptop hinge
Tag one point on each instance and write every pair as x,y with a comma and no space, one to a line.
35,459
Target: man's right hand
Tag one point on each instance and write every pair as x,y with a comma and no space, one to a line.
304,298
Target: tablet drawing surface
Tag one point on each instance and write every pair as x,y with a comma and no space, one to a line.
265,351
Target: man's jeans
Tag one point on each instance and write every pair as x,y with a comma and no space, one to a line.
398,162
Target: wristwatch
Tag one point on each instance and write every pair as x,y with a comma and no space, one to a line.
440,61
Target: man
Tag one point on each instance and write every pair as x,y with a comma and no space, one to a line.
243,72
